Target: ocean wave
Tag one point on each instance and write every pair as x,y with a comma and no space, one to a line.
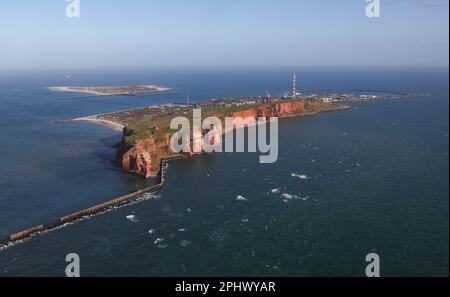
300,176
158,240
241,198
289,196
144,197
11,244
132,218
275,191
147,196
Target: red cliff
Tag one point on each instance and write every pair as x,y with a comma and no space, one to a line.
143,156
287,109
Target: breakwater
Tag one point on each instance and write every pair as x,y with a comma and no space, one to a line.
120,201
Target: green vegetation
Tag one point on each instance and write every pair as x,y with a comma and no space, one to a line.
158,126
156,123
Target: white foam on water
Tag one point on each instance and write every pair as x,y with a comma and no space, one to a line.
276,191
132,218
158,240
300,176
289,196
245,220
182,230
151,231
241,198
144,197
162,246
9,245
148,196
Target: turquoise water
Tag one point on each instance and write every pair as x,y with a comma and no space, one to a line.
376,181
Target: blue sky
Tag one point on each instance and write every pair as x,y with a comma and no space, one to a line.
217,33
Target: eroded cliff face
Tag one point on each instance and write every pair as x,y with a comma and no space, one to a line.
143,156
287,109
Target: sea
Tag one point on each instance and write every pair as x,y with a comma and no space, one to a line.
373,179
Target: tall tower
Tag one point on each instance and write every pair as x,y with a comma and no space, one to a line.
294,86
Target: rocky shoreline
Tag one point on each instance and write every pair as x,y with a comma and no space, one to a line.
141,153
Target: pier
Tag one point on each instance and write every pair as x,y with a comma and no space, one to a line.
120,201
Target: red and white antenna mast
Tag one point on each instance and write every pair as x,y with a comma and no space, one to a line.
294,86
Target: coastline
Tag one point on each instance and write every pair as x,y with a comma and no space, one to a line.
143,146
116,126
69,89
94,119
119,201
92,91
93,210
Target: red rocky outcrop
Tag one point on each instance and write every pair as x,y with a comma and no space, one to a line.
143,156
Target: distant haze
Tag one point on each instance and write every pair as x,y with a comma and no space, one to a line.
217,33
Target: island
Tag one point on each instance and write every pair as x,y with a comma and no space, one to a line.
110,91
145,145
147,133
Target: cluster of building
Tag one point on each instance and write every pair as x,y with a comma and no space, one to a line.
230,102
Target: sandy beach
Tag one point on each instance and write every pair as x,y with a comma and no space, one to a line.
95,119
70,89
109,91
